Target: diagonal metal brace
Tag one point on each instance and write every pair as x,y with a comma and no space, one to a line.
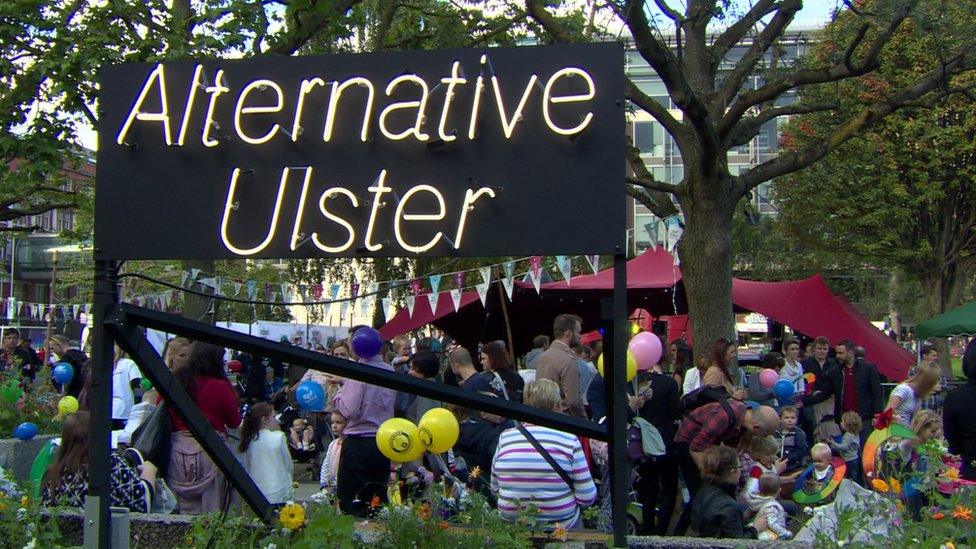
130,314
133,341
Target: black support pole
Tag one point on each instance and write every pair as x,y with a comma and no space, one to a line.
617,403
97,526
132,340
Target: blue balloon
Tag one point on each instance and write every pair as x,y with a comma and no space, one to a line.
784,390
310,396
63,372
366,343
25,431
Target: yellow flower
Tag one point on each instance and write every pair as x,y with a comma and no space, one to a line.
559,534
895,486
474,473
879,485
962,513
442,525
292,516
24,501
952,474
948,545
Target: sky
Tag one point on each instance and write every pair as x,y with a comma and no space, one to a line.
815,13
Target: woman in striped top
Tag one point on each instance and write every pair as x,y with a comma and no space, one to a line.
521,477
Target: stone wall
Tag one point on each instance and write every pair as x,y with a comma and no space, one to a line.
16,456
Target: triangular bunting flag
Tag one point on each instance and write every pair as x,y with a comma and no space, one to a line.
594,261
343,309
285,291
65,311
386,307
432,298
485,274
509,268
411,301
88,307
237,288
535,271
316,292
354,290
415,287
482,288
565,265
74,310
509,286
334,291
456,298
435,283
184,276
252,290
459,280
164,300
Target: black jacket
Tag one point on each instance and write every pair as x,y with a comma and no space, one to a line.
597,398
959,423
870,399
715,513
664,407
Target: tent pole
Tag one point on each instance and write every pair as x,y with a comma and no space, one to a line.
508,324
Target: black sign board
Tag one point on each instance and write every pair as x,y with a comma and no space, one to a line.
508,151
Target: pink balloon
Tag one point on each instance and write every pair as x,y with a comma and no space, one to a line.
647,350
768,378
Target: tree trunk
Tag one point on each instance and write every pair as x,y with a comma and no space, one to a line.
197,307
705,250
941,288
892,306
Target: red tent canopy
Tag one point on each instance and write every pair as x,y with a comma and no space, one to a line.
806,306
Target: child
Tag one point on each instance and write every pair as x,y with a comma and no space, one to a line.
330,465
771,509
266,455
763,451
849,446
823,472
300,438
793,441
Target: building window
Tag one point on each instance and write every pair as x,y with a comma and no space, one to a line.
649,137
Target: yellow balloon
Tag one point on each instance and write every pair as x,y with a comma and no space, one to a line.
634,329
399,440
631,365
439,430
68,405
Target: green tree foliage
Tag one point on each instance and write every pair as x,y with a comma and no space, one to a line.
903,195
724,99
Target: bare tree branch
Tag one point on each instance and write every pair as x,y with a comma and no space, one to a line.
658,203
791,161
15,213
498,30
655,109
735,33
747,128
760,45
670,12
778,86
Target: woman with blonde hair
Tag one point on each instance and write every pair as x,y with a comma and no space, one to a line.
522,477
907,396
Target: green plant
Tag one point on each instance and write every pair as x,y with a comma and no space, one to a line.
234,531
38,404
21,523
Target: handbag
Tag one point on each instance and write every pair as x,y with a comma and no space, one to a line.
545,455
164,501
152,438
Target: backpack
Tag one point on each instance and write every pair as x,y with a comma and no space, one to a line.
707,394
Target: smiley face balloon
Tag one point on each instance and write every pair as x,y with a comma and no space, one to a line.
399,440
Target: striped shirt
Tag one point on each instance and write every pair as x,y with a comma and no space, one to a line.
521,477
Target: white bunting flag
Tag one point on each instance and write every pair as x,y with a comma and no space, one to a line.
411,301
456,298
194,273
74,310
285,291
184,276
343,309
385,310
509,286
237,288
594,261
485,274
433,298
565,266
482,288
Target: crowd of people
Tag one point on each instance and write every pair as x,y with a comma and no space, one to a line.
715,452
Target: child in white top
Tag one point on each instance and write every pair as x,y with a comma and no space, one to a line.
772,510
266,456
330,465
764,451
849,446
